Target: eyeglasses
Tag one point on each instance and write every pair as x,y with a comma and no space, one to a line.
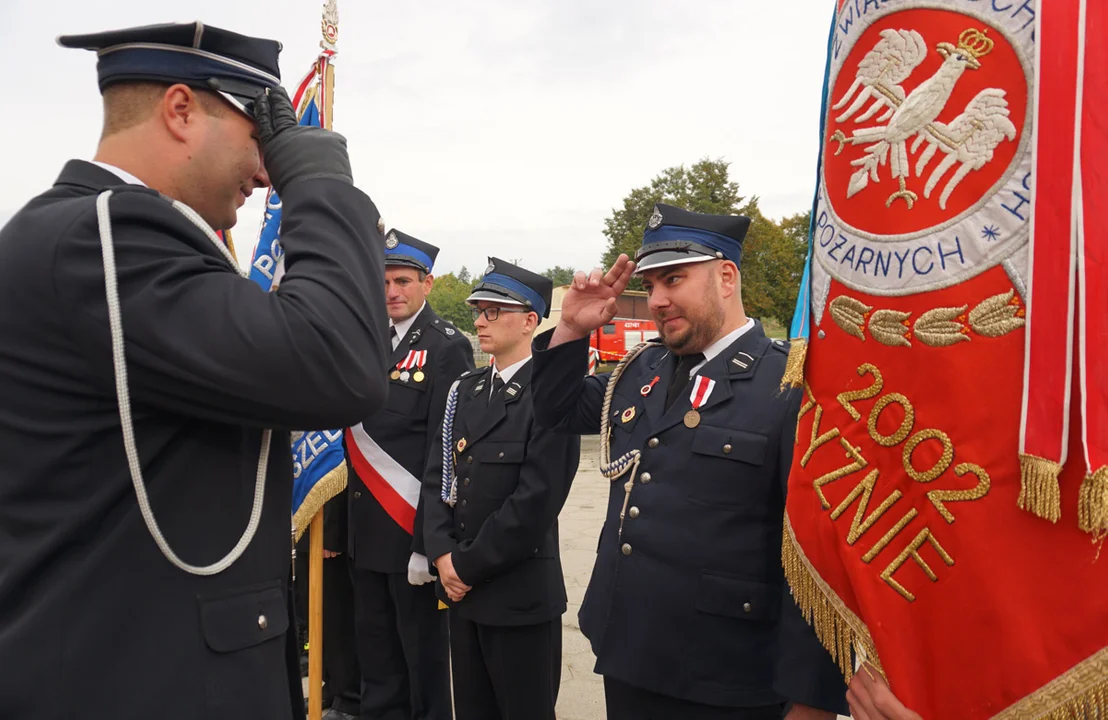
492,314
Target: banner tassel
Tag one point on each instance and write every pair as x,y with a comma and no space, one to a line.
794,366
325,488
1039,491
1092,506
837,635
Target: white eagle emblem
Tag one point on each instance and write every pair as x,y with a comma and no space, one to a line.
330,24
391,242
656,219
969,140
928,102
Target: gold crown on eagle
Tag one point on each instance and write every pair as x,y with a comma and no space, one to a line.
972,43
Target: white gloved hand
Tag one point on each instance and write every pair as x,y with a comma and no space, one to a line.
418,571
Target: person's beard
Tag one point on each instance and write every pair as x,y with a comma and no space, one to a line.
704,324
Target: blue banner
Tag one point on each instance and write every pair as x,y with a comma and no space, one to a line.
268,253
800,328
319,470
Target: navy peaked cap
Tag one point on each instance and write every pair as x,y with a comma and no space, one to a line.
674,236
506,283
236,66
403,249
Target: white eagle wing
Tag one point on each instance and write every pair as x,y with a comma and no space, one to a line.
880,74
976,133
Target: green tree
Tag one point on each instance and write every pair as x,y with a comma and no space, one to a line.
448,299
705,187
560,275
773,262
464,275
773,253
796,227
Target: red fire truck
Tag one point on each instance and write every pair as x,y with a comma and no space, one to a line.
613,340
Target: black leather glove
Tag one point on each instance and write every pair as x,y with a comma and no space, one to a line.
294,152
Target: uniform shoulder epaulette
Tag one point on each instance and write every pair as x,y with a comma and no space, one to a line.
781,346
474,373
445,328
653,345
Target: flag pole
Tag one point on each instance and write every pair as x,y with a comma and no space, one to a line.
330,28
315,619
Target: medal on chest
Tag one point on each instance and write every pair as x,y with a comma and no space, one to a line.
403,370
701,388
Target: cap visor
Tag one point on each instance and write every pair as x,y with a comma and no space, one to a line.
666,258
243,105
490,296
396,261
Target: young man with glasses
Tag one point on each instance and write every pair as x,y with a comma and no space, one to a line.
493,489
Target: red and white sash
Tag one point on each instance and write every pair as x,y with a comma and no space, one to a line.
394,487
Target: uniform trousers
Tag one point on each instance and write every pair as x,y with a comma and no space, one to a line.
341,678
402,648
505,672
626,702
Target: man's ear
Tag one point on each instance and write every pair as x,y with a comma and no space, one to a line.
729,278
179,110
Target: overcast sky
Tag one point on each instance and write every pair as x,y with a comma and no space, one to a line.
486,127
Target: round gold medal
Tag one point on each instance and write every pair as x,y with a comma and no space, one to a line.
418,376
692,419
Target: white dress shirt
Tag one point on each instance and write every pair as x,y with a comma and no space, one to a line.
722,344
121,174
404,326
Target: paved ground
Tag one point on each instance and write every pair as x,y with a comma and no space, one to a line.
582,694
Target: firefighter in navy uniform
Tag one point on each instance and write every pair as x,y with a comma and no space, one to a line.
491,522
401,632
150,579
687,609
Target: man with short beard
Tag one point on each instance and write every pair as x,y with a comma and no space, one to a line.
687,609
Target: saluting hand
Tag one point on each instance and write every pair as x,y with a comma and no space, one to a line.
455,588
870,698
292,151
590,301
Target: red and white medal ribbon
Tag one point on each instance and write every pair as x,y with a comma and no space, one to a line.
702,388
416,358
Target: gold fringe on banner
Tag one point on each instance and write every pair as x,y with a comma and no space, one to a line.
1092,506
836,626
794,366
1081,693
328,487
1039,491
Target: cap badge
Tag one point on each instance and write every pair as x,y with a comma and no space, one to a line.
656,219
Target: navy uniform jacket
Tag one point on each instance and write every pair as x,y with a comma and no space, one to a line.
405,429
94,621
691,601
513,478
